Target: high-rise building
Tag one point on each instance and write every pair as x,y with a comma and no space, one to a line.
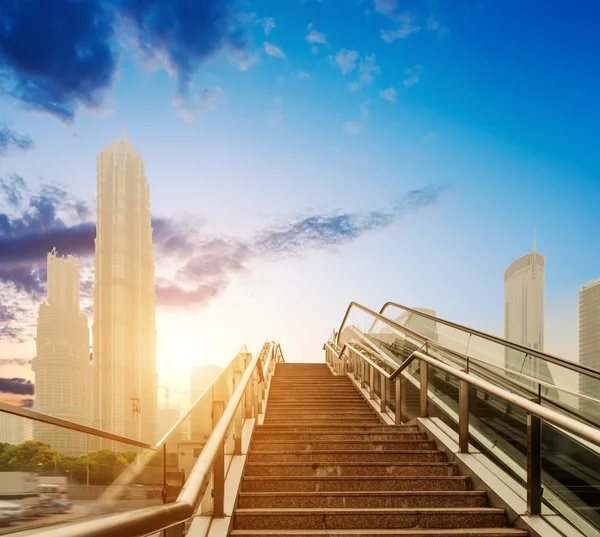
124,330
589,344
524,314
63,372
12,428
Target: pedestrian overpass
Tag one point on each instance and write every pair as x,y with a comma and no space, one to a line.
420,428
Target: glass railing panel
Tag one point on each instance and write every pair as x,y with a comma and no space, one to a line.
51,474
443,393
571,475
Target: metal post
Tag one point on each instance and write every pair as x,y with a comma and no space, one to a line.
164,457
463,416
256,394
363,374
87,460
237,422
248,394
383,394
371,382
218,467
398,417
424,386
534,465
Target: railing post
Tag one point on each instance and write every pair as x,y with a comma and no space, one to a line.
383,390
248,394
363,373
237,421
463,416
218,466
398,417
371,382
256,393
534,465
424,387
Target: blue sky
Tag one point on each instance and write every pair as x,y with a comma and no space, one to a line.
252,120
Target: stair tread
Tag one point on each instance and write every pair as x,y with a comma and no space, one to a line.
374,510
417,532
355,478
368,493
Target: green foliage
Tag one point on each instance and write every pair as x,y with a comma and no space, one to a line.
35,456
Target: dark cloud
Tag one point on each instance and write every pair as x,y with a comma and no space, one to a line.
10,138
15,361
27,403
56,56
206,264
16,385
213,262
184,32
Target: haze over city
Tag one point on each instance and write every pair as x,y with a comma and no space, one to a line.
302,157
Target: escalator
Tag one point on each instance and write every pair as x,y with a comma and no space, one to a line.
570,466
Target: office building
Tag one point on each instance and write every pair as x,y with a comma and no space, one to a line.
62,368
124,331
589,345
524,315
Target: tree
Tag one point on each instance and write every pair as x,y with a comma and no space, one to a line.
6,453
34,456
105,465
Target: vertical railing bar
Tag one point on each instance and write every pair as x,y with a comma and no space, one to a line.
463,416
424,388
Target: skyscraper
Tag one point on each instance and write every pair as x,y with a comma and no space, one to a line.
63,373
124,331
524,314
589,343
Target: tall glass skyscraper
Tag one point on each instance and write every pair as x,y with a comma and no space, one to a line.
124,330
589,344
524,314
63,373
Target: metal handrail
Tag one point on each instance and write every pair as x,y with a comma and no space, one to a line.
568,364
67,424
141,522
535,411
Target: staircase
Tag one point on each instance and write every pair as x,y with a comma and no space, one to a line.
323,463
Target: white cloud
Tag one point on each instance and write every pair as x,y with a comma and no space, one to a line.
432,137
274,50
389,94
433,25
347,59
404,28
278,101
244,59
315,50
192,106
268,24
354,86
314,36
368,68
386,7
413,76
300,74
352,127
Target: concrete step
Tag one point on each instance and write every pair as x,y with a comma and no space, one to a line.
312,421
353,483
368,518
347,456
321,415
339,429
399,436
411,532
354,445
323,421
350,469
360,500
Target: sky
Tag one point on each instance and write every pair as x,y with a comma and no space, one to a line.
301,155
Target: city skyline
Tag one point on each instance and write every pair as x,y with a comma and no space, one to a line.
310,165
